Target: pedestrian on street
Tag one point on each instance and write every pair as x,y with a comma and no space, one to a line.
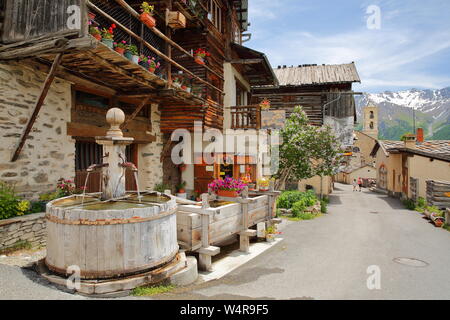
359,183
355,185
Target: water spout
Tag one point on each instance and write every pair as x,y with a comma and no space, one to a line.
85,186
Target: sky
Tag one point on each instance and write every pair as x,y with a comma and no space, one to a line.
407,47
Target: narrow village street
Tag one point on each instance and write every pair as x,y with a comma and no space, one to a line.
327,258
324,258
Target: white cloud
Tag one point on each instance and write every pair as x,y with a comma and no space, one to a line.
395,56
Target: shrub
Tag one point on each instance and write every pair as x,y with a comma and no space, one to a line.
409,204
11,205
288,198
434,209
298,208
421,202
36,207
161,187
323,206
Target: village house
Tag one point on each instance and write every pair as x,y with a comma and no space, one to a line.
326,95
359,163
404,167
58,81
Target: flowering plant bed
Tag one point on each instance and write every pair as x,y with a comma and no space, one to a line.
227,187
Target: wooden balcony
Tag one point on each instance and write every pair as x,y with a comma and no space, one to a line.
246,117
90,60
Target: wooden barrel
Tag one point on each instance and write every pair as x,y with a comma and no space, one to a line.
110,243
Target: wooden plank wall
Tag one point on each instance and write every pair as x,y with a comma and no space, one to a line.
26,20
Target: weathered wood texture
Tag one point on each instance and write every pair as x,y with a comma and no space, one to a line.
29,19
438,193
224,221
110,243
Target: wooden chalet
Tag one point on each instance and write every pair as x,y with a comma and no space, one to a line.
57,66
322,90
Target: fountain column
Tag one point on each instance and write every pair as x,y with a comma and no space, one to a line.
114,144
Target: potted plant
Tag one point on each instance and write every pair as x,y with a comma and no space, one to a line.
132,54
227,187
146,16
108,36
265,104
200,54
153,65
143,61
263,184
95,32
271,232
120,47
181,191
177,81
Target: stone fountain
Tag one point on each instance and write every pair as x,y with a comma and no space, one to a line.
115,240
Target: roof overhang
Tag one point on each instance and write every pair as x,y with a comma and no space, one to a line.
255,66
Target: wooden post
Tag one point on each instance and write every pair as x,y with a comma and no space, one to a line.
245,234
138,109
39,103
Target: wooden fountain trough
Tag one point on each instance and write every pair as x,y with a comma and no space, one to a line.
203,228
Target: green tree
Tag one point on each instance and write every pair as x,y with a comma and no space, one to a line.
306,150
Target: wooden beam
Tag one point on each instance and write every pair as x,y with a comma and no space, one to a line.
46,86
148,45
246,61
138,109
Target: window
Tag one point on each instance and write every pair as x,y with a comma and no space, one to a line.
371,115
215,14
371,125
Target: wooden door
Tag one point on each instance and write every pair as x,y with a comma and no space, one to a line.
86,154
131,155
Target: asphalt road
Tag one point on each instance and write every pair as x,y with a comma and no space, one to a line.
328,257
324,258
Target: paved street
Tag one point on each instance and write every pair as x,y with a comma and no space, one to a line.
325,258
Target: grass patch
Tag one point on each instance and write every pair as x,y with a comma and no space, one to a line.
152,290
19,245
446,227
305,216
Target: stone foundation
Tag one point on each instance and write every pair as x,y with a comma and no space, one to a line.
48,153
30,228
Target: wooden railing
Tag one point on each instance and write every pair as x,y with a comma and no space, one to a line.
245,117
150,41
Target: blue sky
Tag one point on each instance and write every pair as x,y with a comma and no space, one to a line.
411,49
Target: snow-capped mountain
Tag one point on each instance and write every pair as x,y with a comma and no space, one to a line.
432,112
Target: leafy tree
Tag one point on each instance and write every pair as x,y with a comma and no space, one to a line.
306,150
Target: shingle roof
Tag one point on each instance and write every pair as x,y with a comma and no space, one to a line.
432,148
317,74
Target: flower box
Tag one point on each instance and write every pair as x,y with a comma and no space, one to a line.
176,20
227,193
148,19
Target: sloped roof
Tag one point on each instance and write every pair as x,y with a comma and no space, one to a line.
317,74
438,149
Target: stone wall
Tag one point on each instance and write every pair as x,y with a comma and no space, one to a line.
48,154
30,228
149,161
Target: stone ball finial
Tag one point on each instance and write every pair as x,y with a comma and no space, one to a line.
115,117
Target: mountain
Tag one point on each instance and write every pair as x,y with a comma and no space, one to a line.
431,108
